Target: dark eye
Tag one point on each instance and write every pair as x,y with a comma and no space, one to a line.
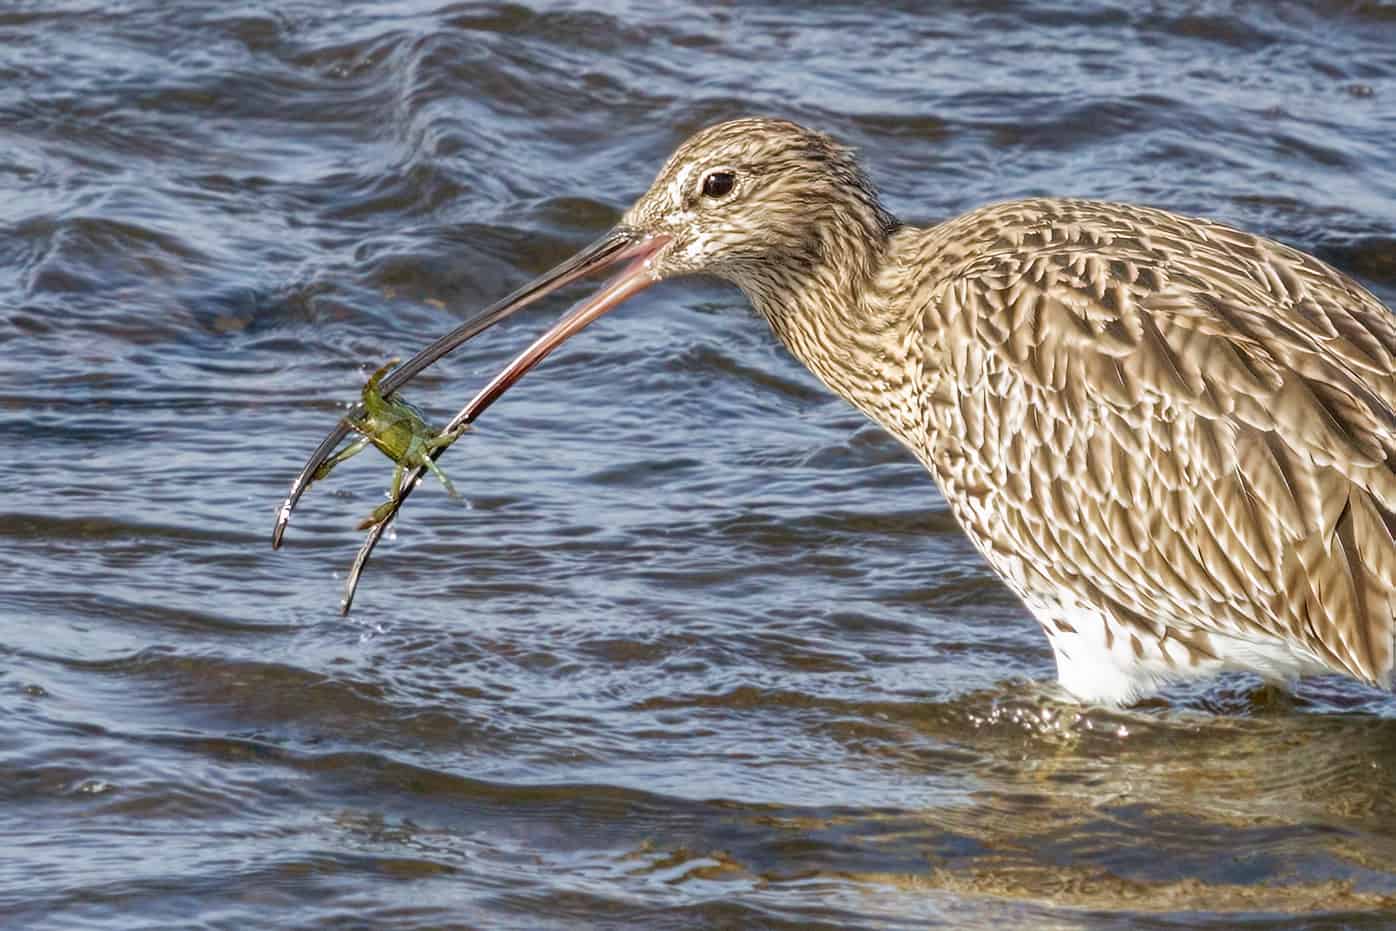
719,184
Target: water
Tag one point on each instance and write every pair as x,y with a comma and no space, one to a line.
703,649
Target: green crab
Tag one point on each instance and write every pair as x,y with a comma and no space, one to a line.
401,433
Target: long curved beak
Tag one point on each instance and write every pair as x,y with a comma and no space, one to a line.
621,244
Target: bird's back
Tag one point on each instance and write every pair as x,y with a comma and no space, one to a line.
1174,439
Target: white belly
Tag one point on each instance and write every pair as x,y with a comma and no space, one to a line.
1102,662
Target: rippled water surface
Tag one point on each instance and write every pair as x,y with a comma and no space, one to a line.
702,648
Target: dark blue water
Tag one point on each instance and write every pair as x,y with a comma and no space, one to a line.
702,648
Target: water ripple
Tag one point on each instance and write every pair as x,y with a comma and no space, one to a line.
702,647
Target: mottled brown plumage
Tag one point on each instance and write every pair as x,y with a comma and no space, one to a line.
1171,429
1171,438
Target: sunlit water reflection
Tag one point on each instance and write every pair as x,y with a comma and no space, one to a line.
702,648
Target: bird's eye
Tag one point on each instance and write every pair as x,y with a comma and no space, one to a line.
719,184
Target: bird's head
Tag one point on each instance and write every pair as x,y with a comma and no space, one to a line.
768,205
753,201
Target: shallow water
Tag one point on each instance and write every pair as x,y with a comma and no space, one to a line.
703,648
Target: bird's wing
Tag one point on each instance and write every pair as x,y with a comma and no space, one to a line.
1184,424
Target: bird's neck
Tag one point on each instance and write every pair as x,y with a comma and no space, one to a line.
831,313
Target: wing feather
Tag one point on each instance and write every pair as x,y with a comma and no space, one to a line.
1206,422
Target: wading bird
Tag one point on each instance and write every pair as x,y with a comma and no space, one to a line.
1172,439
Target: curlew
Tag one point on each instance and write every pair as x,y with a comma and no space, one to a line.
1172,439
